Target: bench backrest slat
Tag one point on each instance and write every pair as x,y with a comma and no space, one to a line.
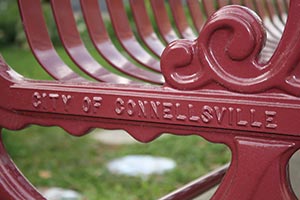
126,37
40,43
105,47
180,19
196,14
209,7
74,46
162,21
145,27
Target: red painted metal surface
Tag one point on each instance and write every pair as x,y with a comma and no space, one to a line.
198,186
209,7
162,21
126,37
180,19
103,44
145,28
40,43
14,184
196,14
225,86
74,46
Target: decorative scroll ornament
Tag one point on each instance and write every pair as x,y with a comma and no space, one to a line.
227,52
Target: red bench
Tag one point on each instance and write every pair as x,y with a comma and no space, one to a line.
235,83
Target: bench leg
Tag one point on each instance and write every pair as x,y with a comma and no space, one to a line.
258,170
13,185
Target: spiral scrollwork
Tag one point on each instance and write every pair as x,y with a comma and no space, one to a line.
180,67
227,53
230,44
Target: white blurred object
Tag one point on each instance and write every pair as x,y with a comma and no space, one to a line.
141,165
113,137
60,194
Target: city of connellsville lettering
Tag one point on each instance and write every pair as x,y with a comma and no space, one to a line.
162,110
200,113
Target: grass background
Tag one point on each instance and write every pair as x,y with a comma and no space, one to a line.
51,158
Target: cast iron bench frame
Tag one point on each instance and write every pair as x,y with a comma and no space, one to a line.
221,86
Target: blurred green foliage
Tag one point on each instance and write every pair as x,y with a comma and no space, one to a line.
80,163
11,28
9,22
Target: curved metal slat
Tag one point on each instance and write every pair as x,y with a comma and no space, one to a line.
197,187
163,22
249,4
274,16
209,7
282,7
126,37
196,14
267,13
145,28
13,184
180,19
222,3
272,31
272,39
238,2
273,23
74,46
103,44
40,42
259,8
